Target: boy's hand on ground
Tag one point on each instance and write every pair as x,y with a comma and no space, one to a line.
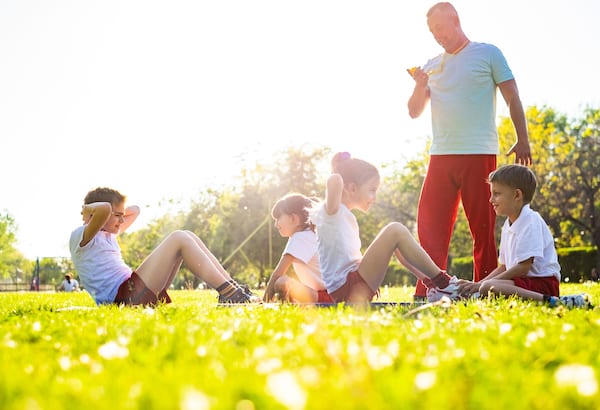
467,288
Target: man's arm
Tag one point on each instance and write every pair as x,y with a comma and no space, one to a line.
420,96
521,147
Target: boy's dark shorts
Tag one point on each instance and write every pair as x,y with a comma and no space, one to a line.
134,291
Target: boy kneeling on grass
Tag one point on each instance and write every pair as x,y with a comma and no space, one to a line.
528,264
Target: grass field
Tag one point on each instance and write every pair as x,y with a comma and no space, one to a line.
58,351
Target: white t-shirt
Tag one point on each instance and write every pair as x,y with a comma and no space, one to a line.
527,237
70,286
303,246
463,99
99,264
338,243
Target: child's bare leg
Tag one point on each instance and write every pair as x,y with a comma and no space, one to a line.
295,291
418,261
407,265
507,287
174,269
210,255
376,259
157,268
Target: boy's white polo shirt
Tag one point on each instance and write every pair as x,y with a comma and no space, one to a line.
529,236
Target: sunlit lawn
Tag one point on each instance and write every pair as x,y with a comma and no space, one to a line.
502,354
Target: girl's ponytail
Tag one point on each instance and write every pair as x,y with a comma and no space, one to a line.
352,170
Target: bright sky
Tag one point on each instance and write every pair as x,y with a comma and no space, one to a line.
160,99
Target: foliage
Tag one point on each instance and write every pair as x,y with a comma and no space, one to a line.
234,221
566,163
227,218
59,350
137,245
577,263
53,270
12,262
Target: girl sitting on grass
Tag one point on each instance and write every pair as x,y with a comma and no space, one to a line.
291,219
349,275
97,258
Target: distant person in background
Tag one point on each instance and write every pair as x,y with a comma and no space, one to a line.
35,286
97,257
461,84
291,219
69,284
594,275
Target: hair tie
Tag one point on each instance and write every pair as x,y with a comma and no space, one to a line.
344,155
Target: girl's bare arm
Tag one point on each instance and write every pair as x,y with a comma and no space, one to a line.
333,193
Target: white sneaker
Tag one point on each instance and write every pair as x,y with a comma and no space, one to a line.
450,291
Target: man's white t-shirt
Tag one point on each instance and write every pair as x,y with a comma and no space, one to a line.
462,89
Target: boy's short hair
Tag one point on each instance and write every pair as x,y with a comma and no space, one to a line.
518,177
104,195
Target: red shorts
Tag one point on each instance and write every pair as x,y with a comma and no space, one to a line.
135,292
355,287
547,285
323,297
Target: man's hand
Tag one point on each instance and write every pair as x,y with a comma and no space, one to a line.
522,153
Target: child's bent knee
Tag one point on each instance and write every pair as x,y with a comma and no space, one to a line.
180,236
397,228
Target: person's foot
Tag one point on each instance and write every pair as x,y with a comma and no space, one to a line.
450,291
241,295
581,300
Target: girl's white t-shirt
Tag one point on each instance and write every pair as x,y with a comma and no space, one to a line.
339,244
99,264
303,247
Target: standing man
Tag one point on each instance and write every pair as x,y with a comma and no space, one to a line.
461,85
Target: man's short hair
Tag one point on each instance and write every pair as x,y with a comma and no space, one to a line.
443,7
518,177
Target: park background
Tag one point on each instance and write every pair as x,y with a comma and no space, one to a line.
196,111
236,225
